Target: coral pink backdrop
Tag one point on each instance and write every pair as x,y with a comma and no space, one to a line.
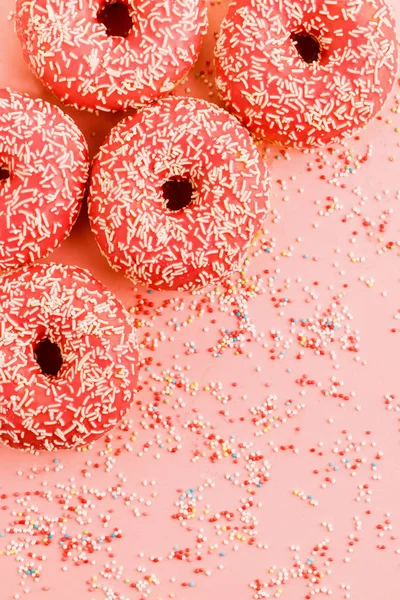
262,458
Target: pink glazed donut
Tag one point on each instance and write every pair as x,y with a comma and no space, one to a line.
306,73
44,168
110,54
177,193
68,358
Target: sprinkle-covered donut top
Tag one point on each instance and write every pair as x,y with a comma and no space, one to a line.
178,191
44,170
68,358
114,55
306,73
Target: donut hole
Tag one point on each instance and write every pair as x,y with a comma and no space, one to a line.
49,358
4,174
116,18
307,46
178,192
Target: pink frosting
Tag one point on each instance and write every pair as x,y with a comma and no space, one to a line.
95,385
191,140
46,157
70,51
263,79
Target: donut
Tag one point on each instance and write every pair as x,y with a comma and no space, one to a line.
307,73
68,358
44,168
177,193
110,55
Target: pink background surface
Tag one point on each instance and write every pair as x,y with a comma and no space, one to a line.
293,456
